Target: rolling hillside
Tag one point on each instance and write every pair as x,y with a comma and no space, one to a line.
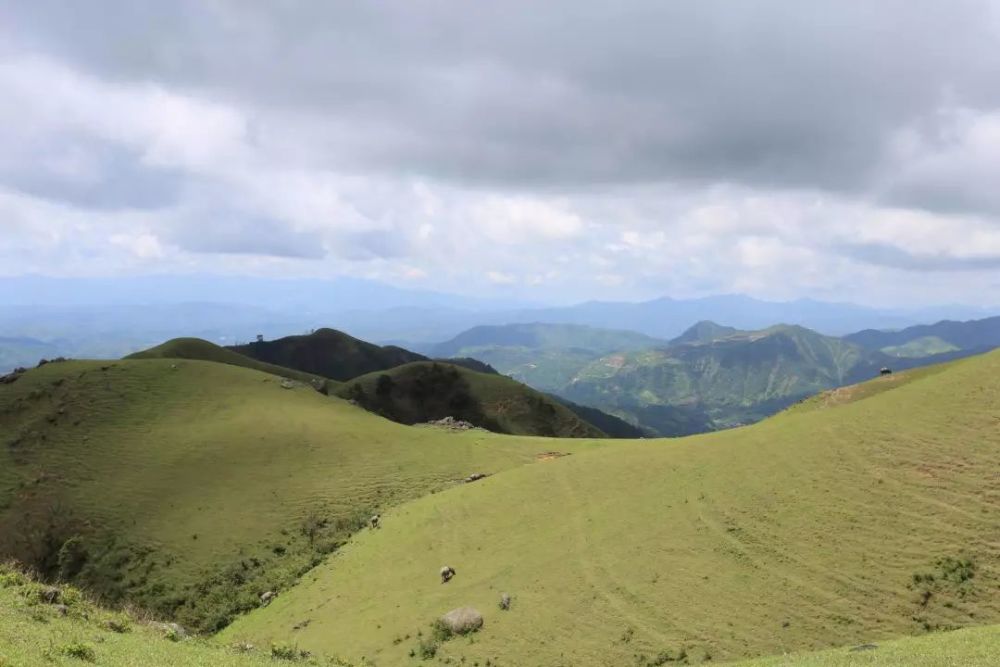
426,391
198,349
190,487
328,353
834,525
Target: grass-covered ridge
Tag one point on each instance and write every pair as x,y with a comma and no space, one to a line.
862,522
195,486
328,353
199,349
425,391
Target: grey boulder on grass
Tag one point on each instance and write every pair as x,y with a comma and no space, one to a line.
462,620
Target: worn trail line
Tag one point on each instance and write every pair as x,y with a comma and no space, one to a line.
704,513
592,570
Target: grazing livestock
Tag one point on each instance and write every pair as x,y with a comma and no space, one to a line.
447,572
374,521
504,601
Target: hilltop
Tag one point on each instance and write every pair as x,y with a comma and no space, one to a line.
190,487
426,391
833,526
328,353
198,349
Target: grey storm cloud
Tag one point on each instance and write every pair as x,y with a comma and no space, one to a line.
890,256
237,233
90,174
584,147
562,93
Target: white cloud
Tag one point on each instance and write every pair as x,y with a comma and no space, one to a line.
244,182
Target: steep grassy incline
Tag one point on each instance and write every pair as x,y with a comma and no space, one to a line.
33,632
196,486
328,353
971,647
829,527
74,631
198,349
425,391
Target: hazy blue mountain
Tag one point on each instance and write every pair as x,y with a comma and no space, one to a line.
279,294
26,352
926,339
663,318
539,335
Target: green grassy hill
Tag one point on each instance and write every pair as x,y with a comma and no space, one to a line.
196,348
845,523
195,486
328,353
424,391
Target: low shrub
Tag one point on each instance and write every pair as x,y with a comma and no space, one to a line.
80,651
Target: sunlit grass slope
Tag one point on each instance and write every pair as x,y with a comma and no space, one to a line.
196,486
971,647
864,521
75,631
199,349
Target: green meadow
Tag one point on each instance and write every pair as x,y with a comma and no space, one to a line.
183,489
832,526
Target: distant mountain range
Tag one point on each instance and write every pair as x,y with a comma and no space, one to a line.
663,318
108,318
711,376
924,339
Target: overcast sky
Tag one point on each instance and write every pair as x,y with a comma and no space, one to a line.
557,150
